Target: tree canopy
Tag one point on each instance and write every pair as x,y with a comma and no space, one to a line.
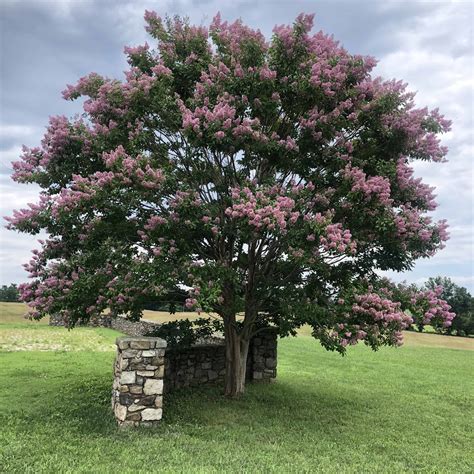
272,179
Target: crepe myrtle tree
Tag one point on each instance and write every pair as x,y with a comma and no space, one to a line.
272,179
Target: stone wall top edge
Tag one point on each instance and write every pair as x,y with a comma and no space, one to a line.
195,347
159,342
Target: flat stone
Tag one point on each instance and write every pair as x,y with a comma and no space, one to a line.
148,401
136,389
149,353
153,387
159,402
152,341
127,377
129,354
136,364
146,373
151,414
122,343
141,344
151,367
135,407
126,399
120,412
160,372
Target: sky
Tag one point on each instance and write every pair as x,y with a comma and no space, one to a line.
45,45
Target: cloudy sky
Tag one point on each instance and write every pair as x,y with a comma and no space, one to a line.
48,44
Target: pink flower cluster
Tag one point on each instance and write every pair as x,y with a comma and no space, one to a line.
154,221
435,310
184,199
137,82
332,65
337,238
222,114
81,190
161,70
139,168
286,34
423,142
192,302
28,218
380,309
60,136
420,191
136,50
410,224
377,186
316,119
87,85
349,334
235,36
261,210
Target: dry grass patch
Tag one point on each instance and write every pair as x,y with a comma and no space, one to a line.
437,340
56,339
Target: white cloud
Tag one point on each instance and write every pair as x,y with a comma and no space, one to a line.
17,131
435,57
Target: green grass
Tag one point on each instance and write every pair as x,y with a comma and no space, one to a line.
407,409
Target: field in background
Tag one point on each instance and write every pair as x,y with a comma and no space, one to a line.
11,317
407,409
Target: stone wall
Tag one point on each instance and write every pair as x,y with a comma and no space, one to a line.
205,363
263,355
196,365
119,323
145,364
137,392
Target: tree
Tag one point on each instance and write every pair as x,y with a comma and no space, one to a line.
272,179
9,293
461,302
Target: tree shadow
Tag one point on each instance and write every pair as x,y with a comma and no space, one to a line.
86,407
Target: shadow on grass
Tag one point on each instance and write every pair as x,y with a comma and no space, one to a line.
84,408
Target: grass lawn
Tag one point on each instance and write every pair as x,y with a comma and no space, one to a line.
407,409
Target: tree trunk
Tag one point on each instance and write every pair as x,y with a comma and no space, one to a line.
237,348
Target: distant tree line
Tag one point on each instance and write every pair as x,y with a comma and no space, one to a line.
9,293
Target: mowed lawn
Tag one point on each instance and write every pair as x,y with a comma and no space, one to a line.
408,409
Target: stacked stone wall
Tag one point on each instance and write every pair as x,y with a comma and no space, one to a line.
192,366
145,369
137,392
119,323
263,355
